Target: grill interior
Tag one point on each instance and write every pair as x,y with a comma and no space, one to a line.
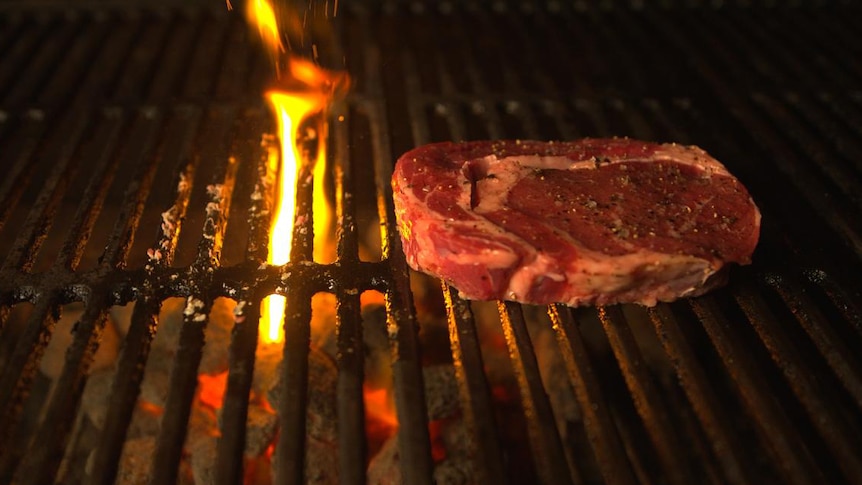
131,167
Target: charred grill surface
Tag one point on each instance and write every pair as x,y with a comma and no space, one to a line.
133,172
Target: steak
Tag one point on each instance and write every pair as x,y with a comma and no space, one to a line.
594,221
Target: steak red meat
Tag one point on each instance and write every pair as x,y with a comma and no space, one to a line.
595,221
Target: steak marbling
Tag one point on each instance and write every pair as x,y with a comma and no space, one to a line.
595,221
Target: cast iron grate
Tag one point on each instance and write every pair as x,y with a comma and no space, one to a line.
111,117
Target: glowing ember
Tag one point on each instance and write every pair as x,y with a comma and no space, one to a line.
381,422
211,389
312,88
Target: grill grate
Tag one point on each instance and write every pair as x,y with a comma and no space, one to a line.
132,167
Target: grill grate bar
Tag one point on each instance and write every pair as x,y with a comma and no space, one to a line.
44,454
473,387
598,421
120,241
544,439
21,366
694,379
21,51
228,467
103,167
125,390
100,46
645,395
183,379
34,230
847,183
178,50
768,113
809,392
17,177
45,451
245,335
402,326
834,128
36,63
290,451
793,458
840,358
131,362
785,36
352,448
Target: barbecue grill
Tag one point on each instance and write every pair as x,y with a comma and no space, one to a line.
132,168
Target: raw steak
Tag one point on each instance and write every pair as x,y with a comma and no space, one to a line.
595,221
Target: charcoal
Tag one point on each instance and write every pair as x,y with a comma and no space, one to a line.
260,430
203,424
441,391
157,377
321,462
94,405
384,468
455,469
218,331
203,459
321,418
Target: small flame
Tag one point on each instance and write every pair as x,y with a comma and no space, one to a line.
311,91
261,14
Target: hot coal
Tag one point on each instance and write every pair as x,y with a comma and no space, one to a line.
321,420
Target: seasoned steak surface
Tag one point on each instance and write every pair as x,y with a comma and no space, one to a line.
595,221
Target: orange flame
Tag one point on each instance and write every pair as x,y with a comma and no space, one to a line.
312,90
290,110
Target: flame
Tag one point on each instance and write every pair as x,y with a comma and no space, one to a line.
311,90
290,109
261,14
